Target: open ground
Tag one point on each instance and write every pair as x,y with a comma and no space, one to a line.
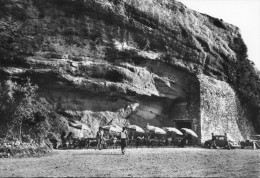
141,162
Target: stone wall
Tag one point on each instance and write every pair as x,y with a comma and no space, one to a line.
221,111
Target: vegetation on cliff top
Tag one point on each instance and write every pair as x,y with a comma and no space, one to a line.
245,79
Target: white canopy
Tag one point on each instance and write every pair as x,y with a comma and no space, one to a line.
112,128
149,127
172,129
136,128
189,131
156,130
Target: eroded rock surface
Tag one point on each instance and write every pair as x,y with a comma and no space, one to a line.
95,60
221,110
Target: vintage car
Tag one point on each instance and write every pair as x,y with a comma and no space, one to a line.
220,142
253,139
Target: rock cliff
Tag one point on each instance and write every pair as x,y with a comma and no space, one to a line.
127,60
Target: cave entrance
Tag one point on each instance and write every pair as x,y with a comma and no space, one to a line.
183,124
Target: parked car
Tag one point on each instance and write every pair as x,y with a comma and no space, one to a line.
220,142
250,142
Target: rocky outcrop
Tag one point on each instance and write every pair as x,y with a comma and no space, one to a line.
95,60
221,111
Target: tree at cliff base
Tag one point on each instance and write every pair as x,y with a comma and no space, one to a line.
24,116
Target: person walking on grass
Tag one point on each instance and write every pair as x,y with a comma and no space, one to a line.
100,135
213,142
183,140
227,141
124,138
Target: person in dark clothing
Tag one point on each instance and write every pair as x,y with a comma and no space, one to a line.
213,141
63,139
100,137
70,139
124,138
138,141
184,140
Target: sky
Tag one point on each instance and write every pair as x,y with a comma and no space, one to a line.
244,14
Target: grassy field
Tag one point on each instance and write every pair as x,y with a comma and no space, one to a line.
145,162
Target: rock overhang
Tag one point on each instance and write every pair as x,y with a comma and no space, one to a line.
147,52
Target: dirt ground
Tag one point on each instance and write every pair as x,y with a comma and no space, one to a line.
141,162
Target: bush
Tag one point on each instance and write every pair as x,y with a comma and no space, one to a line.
24,116
245,79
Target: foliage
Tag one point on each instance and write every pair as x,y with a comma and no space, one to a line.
248,82
244,77
23,115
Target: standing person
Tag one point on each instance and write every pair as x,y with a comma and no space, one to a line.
213,141
174,139
113,139
70,140
63,139
227,142
183,140
100,135
142,140
138,141
124,137
169,141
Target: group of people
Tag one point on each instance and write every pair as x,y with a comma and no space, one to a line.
123,136
104,141
68,141
124,140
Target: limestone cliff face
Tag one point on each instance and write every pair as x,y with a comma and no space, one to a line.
128,60
221,110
